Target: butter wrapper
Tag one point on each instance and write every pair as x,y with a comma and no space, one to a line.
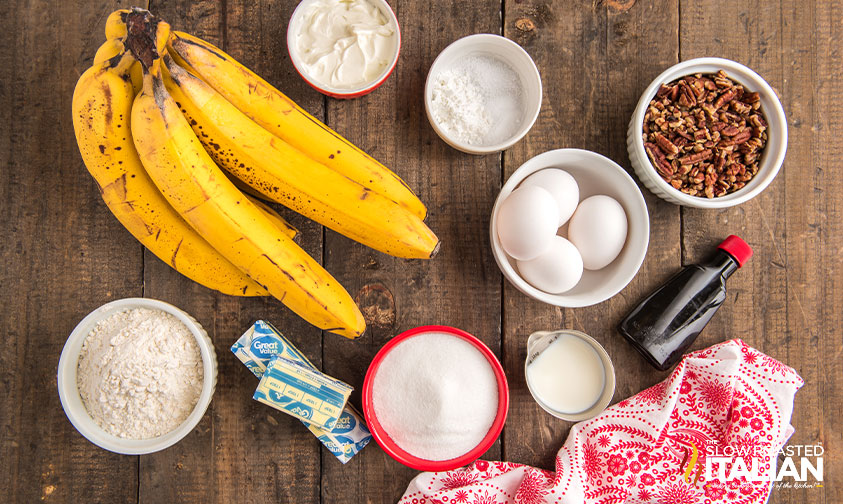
260,343
349,435
303,392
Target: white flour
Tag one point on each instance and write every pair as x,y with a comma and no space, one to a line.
435,395
479,100
140,373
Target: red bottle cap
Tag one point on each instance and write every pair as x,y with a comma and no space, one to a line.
737,248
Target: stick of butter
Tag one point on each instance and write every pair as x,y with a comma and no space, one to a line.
303,392
349,435
259,344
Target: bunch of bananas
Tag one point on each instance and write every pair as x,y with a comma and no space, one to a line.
176,133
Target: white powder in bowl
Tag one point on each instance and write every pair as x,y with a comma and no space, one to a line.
435,395
140,373
478,101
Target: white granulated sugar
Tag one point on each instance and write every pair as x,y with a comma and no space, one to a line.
435,395
479,100
140,373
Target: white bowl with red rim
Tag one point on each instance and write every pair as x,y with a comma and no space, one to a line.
342,93
408,459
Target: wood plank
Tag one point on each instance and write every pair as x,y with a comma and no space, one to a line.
814,233
749,34
780,301
63,254
242,450
191,460
756,306
460,286
594,62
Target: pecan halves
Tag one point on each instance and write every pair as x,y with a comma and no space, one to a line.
696,157
687,98
705,134
737,139
725,98
666,145
659,160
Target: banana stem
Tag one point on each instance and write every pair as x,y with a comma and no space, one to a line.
142,36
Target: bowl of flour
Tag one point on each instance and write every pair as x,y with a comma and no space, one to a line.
136,375
435,398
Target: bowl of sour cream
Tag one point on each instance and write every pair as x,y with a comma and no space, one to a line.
344,48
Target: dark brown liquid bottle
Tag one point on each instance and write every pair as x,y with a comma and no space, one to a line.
664,325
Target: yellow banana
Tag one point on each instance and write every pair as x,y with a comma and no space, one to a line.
248,191
282,117
285,175
180,61
115,24
280,223
112,48
102,103
109,49
201,193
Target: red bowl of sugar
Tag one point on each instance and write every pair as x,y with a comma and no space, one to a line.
435,398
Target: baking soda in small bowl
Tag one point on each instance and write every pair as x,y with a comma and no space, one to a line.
479,100
435,395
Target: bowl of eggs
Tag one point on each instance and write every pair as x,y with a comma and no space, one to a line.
570,228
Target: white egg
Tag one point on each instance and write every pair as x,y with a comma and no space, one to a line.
555,271
561,185
598,229
527,222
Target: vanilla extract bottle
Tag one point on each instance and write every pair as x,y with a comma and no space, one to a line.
667,322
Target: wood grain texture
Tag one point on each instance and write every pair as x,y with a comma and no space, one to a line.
755,41
756,305
780,301
63,254
180,473
460,287
595,62
813,232
242,450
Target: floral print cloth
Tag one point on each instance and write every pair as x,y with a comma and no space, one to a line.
728,399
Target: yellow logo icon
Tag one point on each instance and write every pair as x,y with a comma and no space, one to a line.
694,454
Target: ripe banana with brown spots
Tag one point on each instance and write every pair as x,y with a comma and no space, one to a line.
102,104
279,115
197,188
115,24
284,174
111,48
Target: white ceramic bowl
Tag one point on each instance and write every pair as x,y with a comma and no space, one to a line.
771,159
342,93
595,174
511,53
71,401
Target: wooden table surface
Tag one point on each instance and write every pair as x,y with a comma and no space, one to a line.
63,254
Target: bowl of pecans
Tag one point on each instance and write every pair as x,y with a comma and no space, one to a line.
707,133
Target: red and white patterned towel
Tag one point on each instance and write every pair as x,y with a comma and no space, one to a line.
725,400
